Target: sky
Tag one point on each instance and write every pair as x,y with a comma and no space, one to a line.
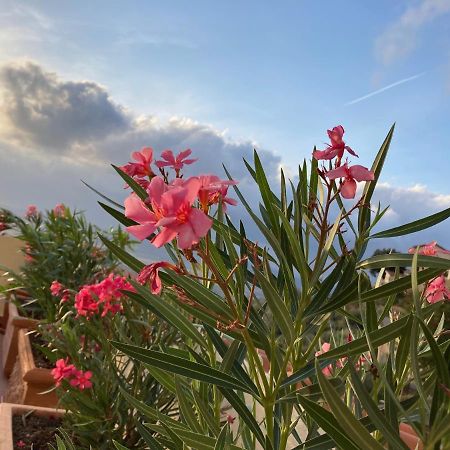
83,84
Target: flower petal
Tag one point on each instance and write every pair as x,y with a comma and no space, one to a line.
348,188
361,173
141,231
339,172
136,210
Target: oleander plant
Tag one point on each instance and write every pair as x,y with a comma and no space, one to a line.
288,342
58,245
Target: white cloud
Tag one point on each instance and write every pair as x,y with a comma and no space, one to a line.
400,38
62,131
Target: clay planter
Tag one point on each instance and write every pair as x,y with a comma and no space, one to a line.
27,382
8,410
14,323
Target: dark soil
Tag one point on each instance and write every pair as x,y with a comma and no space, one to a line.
34,432
39,358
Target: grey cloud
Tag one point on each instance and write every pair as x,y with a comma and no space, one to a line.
80,121
38,109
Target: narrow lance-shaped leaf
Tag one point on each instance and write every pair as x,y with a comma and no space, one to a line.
370,185
181,366
353,428
416,225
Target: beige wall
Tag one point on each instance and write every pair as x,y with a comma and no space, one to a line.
10,255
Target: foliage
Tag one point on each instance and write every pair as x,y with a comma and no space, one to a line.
383,372
60,246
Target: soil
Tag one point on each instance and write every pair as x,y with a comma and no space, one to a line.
34,432
39,358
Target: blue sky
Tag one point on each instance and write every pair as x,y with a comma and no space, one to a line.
245,73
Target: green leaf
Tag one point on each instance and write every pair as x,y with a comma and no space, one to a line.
307,371
119,216
276,304
220,444
312,391
103,196
412,227
60,443
206,412
438,358
358,346
200,293
244,413
132,262
358,434
186,409
166,310
148,438
134,185
369,187
403,349
378,419
181,366
328,423
119,446
266,194
403,260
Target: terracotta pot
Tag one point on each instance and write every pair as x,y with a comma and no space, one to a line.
28,382
8,410
14,323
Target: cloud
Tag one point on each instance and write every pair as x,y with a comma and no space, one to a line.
407,204
62,131
400,39
80,122
39,110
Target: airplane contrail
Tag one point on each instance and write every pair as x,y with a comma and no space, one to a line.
389,86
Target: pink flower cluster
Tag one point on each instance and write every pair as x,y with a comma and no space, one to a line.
59,210
437,290
77,378
171,208
429,249
348,175
31,211
102,297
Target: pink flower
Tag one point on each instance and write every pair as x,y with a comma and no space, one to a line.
21,444
150,273
104,296
437,290
55,288
179,218
428,249
337,146
177,162
141,168
230,419
31,211
82,379
328,370
62,370
59,210
138,211
213,189
351,175
172,212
